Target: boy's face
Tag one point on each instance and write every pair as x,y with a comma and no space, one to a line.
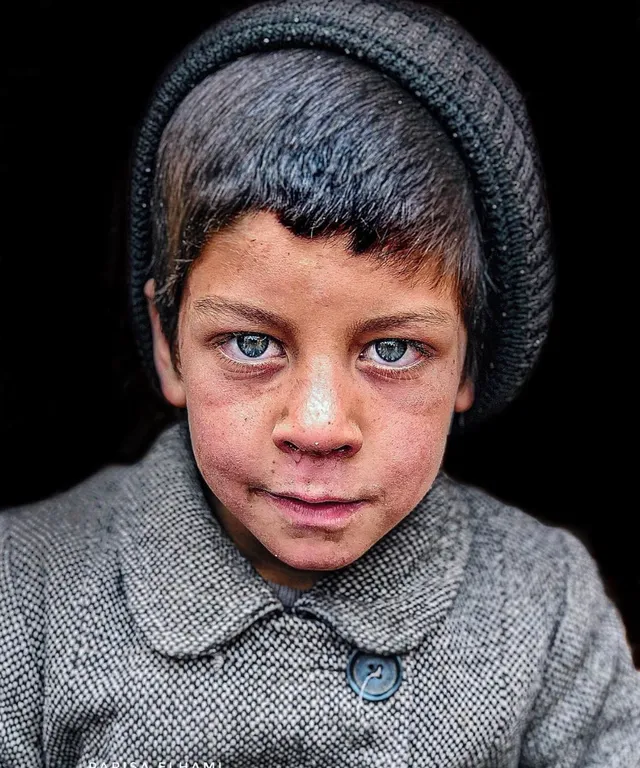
310,402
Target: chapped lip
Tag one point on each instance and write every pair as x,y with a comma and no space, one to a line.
315,499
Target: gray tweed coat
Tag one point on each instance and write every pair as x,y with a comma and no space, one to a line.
133,633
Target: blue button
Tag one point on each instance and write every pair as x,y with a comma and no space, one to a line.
374,677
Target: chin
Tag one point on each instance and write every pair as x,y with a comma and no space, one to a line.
315,557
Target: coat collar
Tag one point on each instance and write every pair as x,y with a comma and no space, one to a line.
190,590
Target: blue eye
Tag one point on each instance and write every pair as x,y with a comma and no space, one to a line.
247,346
252,344
394,350
391,350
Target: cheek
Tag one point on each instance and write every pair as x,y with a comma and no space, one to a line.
225,422
418,408
225,438
409,459
411,434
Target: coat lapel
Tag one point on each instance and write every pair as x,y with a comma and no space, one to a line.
402,589
186,584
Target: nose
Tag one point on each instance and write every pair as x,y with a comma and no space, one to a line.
318,414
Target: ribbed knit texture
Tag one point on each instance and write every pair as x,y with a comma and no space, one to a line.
286,595
132,629
473,98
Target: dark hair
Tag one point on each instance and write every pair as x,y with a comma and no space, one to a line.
331,146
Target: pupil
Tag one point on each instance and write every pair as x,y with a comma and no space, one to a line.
252,345
391,350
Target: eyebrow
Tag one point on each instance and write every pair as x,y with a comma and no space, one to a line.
217,307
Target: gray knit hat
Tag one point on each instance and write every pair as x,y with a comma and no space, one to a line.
464,88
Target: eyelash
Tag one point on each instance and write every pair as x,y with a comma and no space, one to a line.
389,372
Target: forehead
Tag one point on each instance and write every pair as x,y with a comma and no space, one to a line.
259,258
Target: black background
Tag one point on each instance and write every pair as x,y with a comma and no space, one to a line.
72,395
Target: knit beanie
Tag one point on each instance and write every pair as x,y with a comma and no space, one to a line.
466,91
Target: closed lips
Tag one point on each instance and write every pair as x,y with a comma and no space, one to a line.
319,500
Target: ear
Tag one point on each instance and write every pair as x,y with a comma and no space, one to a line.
465,395
170,380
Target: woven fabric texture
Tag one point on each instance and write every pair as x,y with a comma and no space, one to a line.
132,632
473,98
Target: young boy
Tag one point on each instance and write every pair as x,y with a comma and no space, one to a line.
339,245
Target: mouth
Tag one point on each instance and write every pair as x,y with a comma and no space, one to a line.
327,512
325,499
